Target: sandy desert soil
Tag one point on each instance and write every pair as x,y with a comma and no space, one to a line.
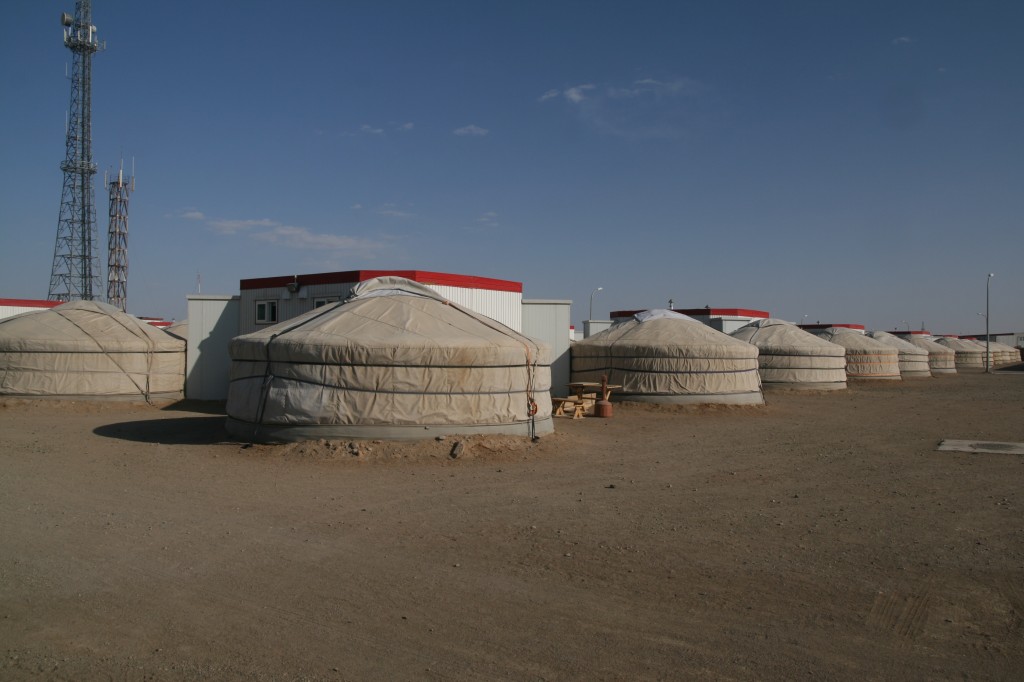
819,537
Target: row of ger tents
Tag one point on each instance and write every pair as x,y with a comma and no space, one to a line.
395,360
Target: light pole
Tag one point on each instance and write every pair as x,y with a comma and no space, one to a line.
988,341
908,325
592,300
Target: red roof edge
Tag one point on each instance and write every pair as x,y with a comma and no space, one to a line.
29,303
722,312
353,276
831,324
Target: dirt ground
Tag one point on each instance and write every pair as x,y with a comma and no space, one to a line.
819,537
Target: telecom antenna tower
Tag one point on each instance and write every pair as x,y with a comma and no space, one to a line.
75,274
117,240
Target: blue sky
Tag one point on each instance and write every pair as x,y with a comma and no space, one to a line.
849,161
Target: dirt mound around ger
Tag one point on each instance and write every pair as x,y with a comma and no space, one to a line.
440,448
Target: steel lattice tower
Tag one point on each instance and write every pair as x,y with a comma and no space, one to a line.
117,241
75,274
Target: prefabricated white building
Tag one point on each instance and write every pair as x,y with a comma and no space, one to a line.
265,301
10,307
212,323
725,320
547,321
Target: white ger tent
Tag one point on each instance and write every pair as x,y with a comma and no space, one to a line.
941,359
968,354
395,361
667,357
1001,353
178,330
913,361
88,349
1009,354
997,350
993,352
865,357
790,357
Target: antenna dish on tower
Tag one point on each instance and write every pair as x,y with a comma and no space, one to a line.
65,19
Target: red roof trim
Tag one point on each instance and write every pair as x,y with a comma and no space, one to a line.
721,312
831,324
28,303
353,276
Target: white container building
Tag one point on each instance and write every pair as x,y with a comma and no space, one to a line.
725,320
266,301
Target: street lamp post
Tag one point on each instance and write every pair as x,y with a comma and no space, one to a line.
988,339
592,301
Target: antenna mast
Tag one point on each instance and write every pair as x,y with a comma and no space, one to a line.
75,274
117,240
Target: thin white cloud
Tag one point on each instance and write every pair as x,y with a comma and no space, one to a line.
902,40
656,88
646,108
295,237
292,236
578,93
488,219
370,130
193,215
405,127
357,206
395,213
471,131
233,226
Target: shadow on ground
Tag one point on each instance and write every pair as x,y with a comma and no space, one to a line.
184,431
1011,368
197,406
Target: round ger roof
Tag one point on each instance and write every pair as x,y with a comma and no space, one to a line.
866,358
793,358
778,336
664,356
394,360
913,361
968,355
88,349
941,359
83,327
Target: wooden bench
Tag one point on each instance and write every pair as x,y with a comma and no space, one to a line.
579,408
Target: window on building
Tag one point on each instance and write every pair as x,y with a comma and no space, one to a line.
266,312
320,302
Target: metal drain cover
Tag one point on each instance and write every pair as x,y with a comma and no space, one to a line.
981,446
